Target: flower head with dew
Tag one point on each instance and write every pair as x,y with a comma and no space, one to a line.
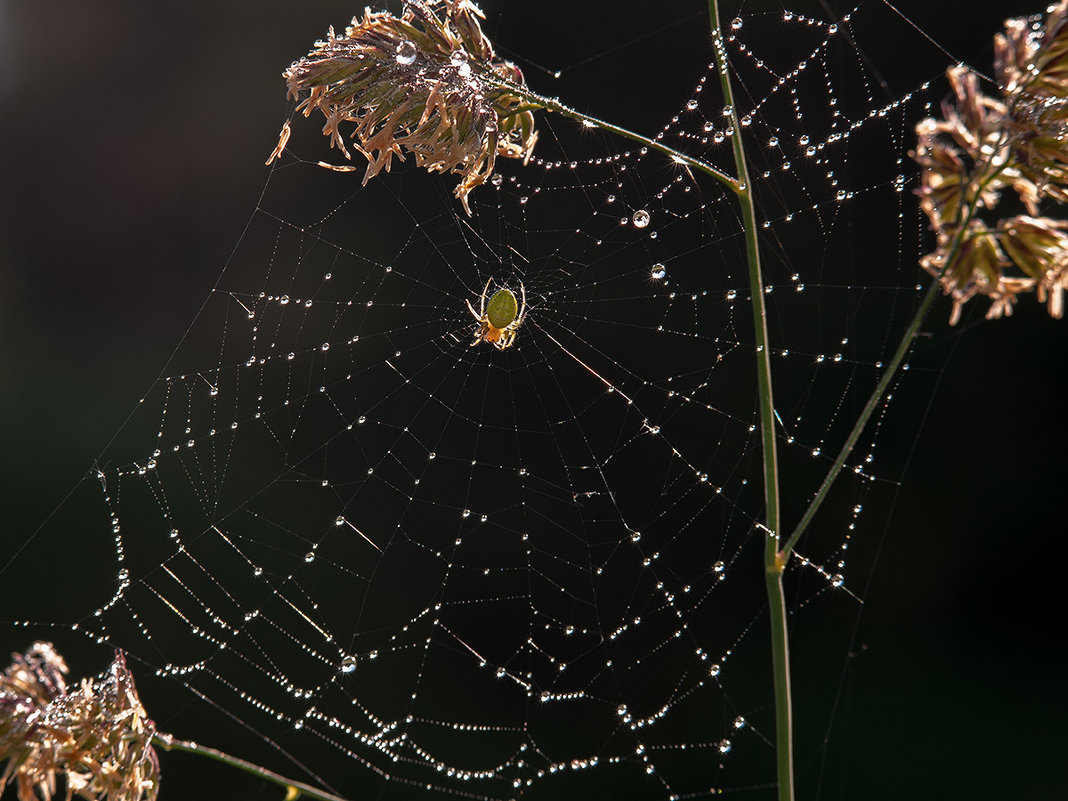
425,83
96,737
985,146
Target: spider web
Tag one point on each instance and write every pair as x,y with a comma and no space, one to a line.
413,566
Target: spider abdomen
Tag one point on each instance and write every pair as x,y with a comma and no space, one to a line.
502,309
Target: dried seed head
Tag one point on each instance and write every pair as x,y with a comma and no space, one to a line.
425,83
984,146
97,737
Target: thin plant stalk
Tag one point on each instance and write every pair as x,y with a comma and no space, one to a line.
774,559
294,789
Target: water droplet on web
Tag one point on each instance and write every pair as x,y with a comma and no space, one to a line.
736,24
739,722
714,670
361,419
691,104
640,218
708,127
432,455
467,513
405,53
496,179
837,580
309,556
724,746
773,142
658,272
718,567
284,299
348,664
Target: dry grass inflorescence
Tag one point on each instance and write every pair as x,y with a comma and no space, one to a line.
427,83
989,151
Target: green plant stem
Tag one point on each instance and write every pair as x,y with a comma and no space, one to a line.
968,212
865,414
773,563
294,789
553,104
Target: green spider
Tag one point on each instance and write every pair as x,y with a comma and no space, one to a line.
499,319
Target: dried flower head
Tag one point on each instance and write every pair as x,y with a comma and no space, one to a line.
984,146
426,82
97,737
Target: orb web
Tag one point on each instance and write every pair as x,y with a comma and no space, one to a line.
424,566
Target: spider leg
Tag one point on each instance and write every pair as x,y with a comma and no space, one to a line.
523,305
471,309
482,305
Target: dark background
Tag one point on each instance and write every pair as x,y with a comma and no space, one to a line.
133,136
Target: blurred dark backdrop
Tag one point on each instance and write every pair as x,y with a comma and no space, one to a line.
133,137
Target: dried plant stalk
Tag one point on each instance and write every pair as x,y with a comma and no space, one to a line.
425,83
985,146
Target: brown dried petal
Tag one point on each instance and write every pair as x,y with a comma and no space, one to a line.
1035,244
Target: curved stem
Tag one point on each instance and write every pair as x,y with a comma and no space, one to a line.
553,104
294,789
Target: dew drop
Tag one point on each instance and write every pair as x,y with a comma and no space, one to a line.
718,567
496,179
658,271
640,218
837,580
691,104
736,24
405,53
348,664
714,670
309,556
459,60
284,299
